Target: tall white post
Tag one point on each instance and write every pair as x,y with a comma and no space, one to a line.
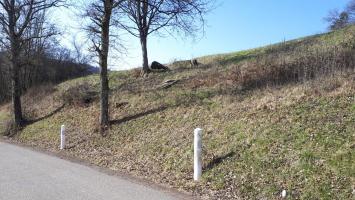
62,137
197,154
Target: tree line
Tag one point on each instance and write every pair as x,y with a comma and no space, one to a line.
48,68
26,33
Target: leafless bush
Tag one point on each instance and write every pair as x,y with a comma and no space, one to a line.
79,95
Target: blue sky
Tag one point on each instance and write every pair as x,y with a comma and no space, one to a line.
234,25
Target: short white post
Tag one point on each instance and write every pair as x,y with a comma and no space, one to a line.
62,137
197,154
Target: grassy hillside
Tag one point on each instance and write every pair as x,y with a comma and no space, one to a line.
274,118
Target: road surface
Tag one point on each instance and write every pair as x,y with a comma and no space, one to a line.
30,175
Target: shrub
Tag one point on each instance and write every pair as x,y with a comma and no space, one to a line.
79,95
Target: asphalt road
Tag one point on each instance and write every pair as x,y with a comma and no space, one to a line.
30,175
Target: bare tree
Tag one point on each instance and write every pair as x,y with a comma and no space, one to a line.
148,16
79,52
17,18
337,20
350,9
102,15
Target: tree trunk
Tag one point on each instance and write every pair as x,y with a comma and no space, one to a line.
16,94
104,116
143,39
105,41
15,67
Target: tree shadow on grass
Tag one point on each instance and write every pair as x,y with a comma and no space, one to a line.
218,160
14,130
32,121
139,115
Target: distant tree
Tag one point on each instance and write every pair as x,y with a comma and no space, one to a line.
46,62
350,9
17,20
79,55
102,14
148,16
337,20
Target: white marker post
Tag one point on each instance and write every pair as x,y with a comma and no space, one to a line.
197,154
62,137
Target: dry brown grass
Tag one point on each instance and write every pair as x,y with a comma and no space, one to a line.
136,73
278,69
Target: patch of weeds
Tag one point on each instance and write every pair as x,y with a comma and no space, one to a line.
214,177
187,98
202,95
343,162
353,107
308,160
9,128
117,78
3,119
79,95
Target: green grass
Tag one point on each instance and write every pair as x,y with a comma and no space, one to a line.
257,142
3,118
308,152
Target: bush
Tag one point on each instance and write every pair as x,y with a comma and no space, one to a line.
80,95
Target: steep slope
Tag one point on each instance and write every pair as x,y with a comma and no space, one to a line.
281,117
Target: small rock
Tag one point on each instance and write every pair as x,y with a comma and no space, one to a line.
283,194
